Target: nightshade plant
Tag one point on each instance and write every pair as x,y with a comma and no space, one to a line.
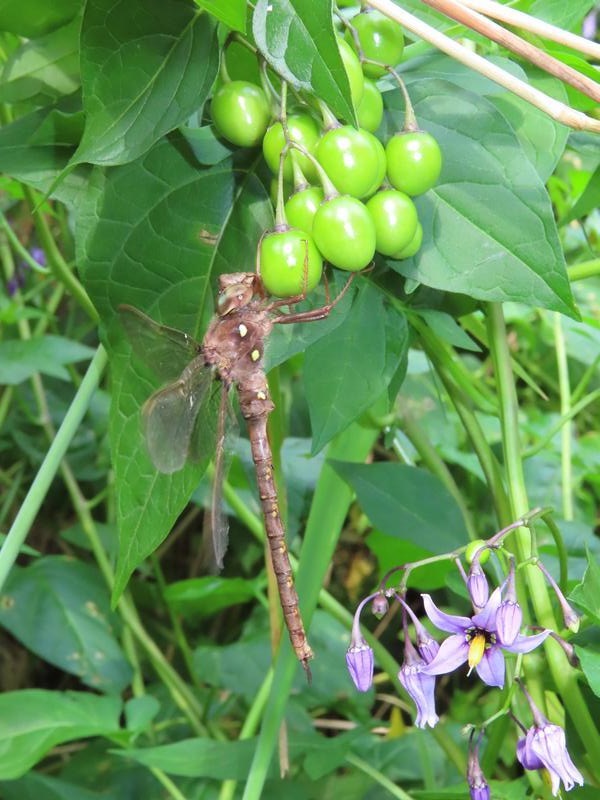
147,147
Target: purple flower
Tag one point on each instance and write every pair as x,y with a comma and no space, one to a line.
571,618
509,618
359,659
478,786
38,255
509,615
477,585
359,656
475,640
545,746
427,646
419,686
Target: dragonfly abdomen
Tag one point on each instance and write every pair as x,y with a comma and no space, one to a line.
263,461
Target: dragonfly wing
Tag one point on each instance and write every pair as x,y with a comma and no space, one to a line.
165,350
215,427
170,417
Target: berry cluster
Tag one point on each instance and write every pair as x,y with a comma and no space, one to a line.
341,196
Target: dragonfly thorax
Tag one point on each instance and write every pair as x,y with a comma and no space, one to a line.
235,343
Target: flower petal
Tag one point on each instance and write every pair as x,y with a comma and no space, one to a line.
359,660
525,754
525,644
486,619
445,622
421,688
491,667
452,653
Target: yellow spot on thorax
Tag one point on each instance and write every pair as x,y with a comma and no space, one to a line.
476,650
255,355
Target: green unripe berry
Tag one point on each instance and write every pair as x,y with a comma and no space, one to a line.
370,108
395,218
381,39
302,206
472,549
303,130
353,71
414,162
344,233
241,112
290,263
413,247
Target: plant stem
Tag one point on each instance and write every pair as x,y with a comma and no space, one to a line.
561,422
168,784
587,269
436,465
567,429
487,460
565,678
561,551
378,777
249,728
51,464
56,262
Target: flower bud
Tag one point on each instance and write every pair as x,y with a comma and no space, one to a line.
359,659
478,786
570,616
477,585
509,618
380,605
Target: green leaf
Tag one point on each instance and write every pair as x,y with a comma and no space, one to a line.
36,147
33,721
59,609
344,372
206,145
155,233
587,201
20,359
36,17
543,139
447,328
472,243
34,785
298,40
564,15
140,711
390,552
589,658
232,13
586,594
195,758
408,503
203,597
146,66
46,66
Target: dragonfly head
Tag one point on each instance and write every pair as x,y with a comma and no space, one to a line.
236,290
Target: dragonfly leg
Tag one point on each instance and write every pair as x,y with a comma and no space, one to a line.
314,313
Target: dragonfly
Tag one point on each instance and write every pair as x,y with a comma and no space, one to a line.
187,418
